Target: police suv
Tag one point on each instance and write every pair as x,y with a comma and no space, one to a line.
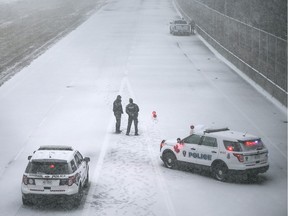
180,27
221,151
55,171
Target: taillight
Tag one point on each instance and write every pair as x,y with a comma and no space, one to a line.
73,179
27,180
240,157
162,144
70,181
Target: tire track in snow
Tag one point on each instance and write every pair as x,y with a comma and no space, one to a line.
152,139
99,165
127,179
127,184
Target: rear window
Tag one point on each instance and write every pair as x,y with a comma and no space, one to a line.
49,168
182,27
247,145
181,22
252,144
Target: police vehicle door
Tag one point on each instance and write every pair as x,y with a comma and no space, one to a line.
207,151
190,148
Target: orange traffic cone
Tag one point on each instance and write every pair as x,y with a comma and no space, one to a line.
154,114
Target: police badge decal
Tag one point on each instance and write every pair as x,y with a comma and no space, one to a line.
184,153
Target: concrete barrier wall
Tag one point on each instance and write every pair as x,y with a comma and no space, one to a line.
261,55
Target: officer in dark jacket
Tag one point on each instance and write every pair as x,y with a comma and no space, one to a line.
118,111
132,110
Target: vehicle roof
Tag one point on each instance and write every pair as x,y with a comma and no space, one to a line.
180,21
235,135
59,153
55,147
177,17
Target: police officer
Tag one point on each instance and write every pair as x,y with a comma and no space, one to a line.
118,111
192,24
132,110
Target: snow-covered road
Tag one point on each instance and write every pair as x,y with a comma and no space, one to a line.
65,97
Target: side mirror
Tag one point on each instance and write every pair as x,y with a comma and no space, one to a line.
87,159
29,157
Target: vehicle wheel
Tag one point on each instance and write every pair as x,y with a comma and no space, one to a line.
78,198
86,181
252,177
169,160
26,202
220,171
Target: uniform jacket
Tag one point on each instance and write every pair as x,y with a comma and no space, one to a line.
117,107
132,110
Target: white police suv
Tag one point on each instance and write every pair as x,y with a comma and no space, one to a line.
180,27
55,172
221,151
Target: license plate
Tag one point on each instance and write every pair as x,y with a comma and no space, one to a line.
47,182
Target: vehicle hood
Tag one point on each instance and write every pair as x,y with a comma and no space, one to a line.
171,142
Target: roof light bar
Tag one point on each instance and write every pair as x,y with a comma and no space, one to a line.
216,130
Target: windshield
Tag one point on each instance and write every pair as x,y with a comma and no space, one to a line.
192,139
47,168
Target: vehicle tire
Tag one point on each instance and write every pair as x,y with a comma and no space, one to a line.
220,171
86,181
26,202
252,177
78,197
169,160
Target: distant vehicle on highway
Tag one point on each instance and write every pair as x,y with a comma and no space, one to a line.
55,172
221,151
180,27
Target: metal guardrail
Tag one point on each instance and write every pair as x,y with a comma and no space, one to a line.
261,55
